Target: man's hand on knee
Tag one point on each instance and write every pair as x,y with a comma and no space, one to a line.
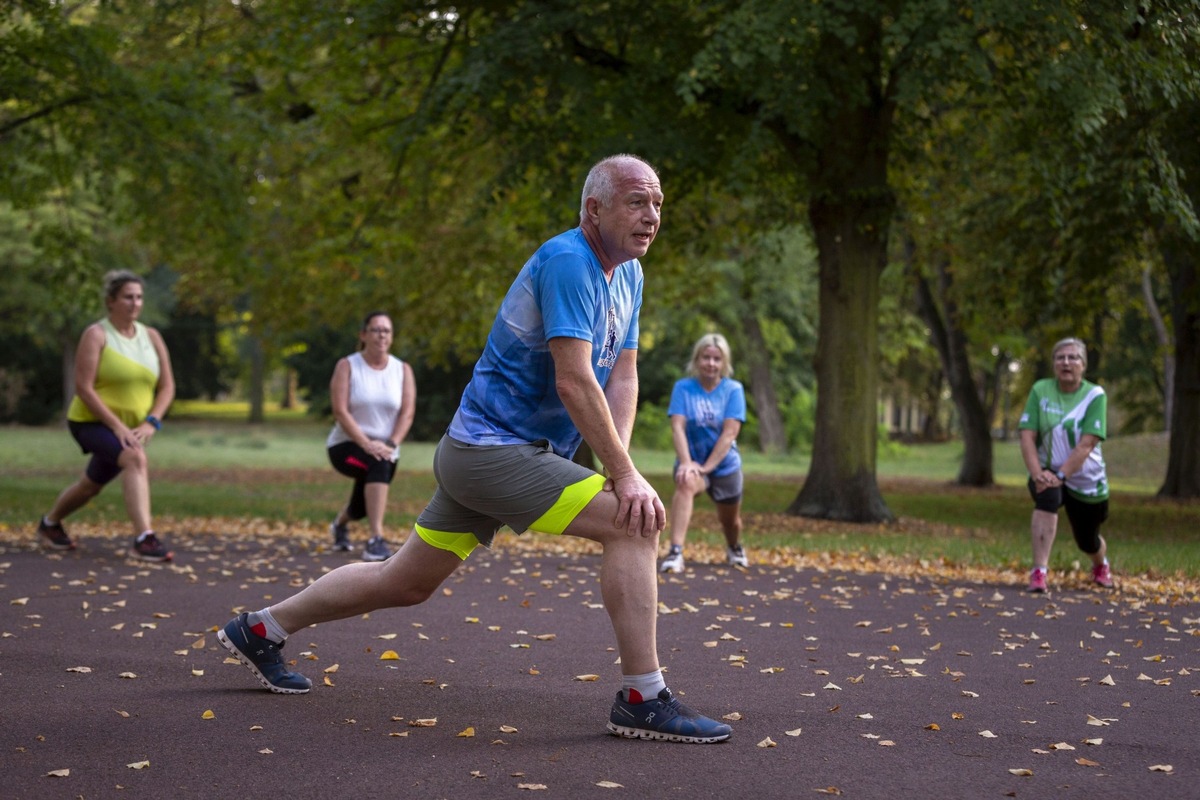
639,510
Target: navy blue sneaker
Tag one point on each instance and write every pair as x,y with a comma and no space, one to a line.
665,719
262,656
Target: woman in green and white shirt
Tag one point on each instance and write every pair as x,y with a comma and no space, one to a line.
1062,427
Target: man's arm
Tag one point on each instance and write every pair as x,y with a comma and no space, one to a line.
621,392
607,430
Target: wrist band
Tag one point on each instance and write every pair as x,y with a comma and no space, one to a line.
155,421
390,443
1060,475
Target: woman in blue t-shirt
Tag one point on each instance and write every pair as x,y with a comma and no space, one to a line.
707,411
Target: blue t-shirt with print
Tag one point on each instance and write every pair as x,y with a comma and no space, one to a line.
706,413
561,291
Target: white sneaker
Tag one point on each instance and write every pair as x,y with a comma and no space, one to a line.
737,556
674,560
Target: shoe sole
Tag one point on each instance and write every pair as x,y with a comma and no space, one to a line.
144,557
233,648
641,733
49,545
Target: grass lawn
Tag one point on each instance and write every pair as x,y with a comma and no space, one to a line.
208,464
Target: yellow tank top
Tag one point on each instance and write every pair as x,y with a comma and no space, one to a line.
126,376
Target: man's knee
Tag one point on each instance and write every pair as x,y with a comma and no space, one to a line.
133,460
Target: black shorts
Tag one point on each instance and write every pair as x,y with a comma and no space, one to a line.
1085,518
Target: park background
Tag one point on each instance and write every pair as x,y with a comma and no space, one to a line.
892,209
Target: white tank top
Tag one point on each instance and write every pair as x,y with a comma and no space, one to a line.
375,396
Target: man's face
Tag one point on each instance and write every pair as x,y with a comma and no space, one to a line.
629,224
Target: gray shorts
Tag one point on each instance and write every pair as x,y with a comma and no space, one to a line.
725,489
481,487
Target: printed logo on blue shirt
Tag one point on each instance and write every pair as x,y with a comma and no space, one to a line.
608,354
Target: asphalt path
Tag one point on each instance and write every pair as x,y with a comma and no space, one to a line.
113,684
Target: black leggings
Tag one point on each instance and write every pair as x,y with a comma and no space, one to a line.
354,462
1085,518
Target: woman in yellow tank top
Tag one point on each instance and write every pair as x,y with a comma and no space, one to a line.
123,387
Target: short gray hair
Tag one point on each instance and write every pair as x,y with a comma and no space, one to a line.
1067,342
712,340
602,178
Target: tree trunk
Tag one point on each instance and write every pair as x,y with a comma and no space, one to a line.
1163,336
772,436
1183,458
258,380
951,344
68,371
851,210
841,481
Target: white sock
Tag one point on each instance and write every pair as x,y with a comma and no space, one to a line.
639,688
270,629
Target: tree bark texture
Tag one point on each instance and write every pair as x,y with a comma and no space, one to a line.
772,434
841,481
850,210
951,343
1183,457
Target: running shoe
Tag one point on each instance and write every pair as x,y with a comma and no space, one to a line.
147,547
674,560
376,549
1037,581
666,719
261,656
737,556
54,536
341,537
1102,576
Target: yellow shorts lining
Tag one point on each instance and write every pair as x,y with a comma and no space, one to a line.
461,544
572,500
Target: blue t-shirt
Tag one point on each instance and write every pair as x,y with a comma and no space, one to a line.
561,291
706,413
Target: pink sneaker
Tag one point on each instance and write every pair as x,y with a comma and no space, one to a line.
1102,576
1037,582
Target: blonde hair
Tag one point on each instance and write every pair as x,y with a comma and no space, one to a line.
712,340
1067,342
115,279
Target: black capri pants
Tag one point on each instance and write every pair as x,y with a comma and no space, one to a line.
354,462
1085,518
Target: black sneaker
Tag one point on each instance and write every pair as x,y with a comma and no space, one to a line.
262,656
341,537
666,719
54,536
376,549
147,547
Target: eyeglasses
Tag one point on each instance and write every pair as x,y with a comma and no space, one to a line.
1072,357
380,330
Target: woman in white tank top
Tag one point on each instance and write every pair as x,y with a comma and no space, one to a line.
374,398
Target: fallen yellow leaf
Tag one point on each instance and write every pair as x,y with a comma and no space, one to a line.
793,732
58,773
466,733
767,742
138,765
389,655
208,715
533,787
428,722
609,785
332,668
1162,768
586,678
1025,773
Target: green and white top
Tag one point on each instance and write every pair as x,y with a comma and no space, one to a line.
1060,420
